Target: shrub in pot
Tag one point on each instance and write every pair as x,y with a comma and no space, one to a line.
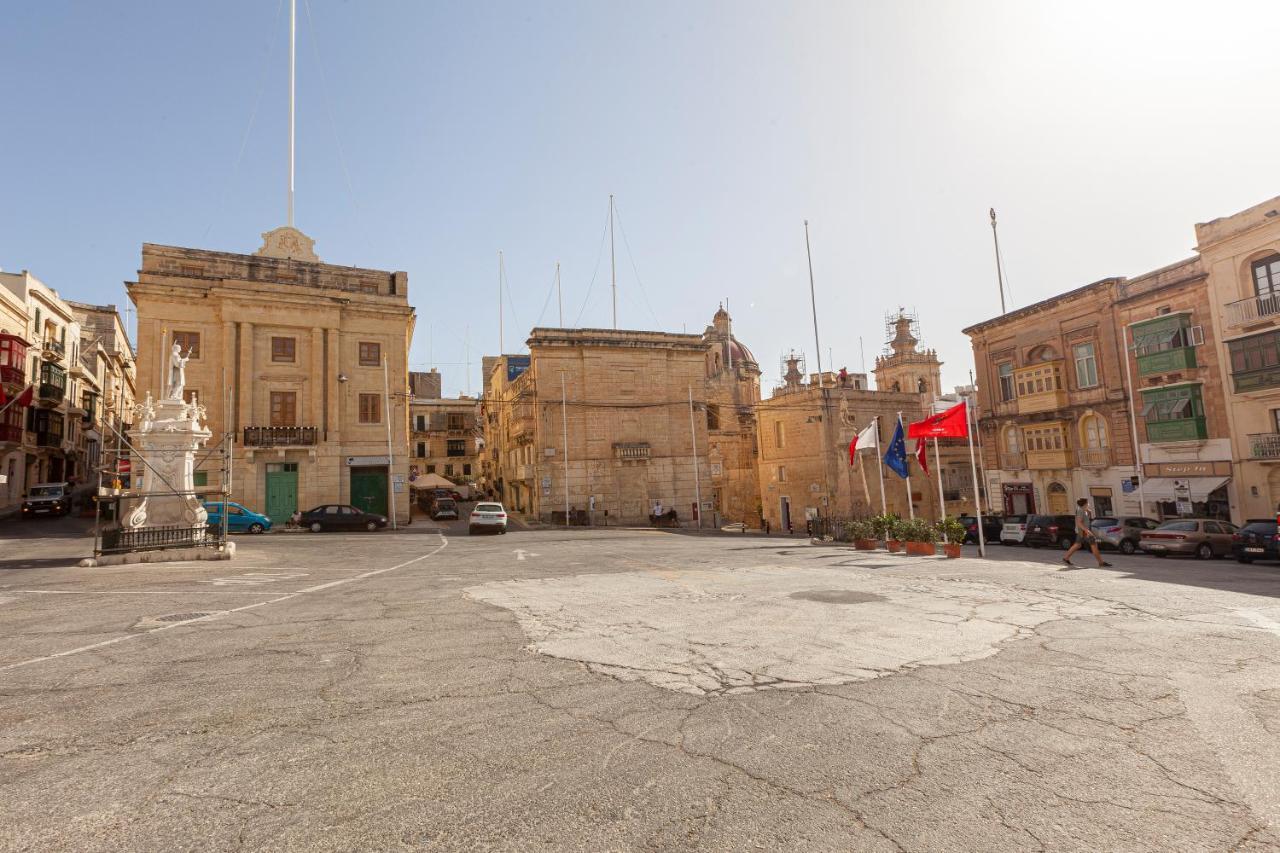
920,535
889,528
952,532
863,533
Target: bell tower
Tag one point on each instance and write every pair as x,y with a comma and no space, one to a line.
903,366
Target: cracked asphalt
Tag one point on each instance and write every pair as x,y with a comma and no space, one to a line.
632,690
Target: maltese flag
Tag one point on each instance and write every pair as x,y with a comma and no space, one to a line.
864,440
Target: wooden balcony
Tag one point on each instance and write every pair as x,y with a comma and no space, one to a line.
1040,460
10,434
1040,387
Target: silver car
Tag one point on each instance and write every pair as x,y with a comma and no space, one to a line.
488,516
1123,533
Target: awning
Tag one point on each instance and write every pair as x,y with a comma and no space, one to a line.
1161,488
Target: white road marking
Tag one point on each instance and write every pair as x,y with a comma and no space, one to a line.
129,592
522,553
220,614
1264,622
256,578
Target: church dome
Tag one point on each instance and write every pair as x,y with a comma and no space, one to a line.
741,353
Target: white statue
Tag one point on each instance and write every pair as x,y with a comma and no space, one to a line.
177,372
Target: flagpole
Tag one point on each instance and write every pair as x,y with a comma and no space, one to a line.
884,505
973,466
937,463
911,508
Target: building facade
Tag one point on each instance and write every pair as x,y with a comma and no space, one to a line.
444,433
50,447
109,383
732,391
623,400
303,363
1053,405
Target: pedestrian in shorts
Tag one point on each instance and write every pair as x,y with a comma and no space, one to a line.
1084,535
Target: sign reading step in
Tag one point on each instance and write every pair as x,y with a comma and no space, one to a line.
361,461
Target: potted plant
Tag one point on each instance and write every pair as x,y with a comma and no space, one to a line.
864,534
920,535
888,527
952,531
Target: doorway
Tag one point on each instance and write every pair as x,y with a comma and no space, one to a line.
369,490
1058,499
784,512
282,489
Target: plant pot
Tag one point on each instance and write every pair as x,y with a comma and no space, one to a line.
952,550
921,549
893,545
865,544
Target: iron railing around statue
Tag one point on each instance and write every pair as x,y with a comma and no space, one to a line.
123,540
280,436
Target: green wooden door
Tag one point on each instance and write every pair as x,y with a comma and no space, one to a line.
282,491
369,489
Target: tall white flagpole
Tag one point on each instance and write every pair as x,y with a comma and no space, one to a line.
884,505
911,507
293,31
973,465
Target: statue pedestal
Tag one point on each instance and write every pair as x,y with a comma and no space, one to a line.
167,438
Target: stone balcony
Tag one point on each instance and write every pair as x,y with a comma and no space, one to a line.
1094,457
281,436
1264,445
1013,460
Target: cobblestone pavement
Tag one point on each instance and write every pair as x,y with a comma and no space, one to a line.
631,690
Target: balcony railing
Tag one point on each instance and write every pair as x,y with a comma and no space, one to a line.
48,392
283,436
48,439
1094,457
1013,460
116,540
11,433
1252,310
1265,445
55,348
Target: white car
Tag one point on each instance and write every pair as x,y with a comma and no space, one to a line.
487,516
1014,528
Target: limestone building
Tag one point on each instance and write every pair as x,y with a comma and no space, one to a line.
732,389
109,382
40,443
622,398
288,356
444,432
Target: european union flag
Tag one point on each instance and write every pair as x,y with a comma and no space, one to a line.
896,456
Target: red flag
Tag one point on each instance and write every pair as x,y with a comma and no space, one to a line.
853,445
922,454
953,423
24,399
3,398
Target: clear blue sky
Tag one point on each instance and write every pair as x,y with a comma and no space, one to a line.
1100,132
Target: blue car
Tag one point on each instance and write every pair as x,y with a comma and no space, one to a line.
239,519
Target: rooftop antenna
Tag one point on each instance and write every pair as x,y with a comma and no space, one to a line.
293,32
995,236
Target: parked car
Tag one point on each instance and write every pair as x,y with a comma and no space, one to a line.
487,516
444,508
341,517
1204,537
46,499
1013,529
991,527
1122,533
1259,539
1059,530
240,519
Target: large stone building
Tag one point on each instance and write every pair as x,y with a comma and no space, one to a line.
444,432
1053,406
622,398
303,362
109,382
732,389
47,448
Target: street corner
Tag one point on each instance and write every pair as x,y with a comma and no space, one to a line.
733,630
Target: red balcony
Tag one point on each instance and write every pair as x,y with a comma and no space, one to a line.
10,434
13,358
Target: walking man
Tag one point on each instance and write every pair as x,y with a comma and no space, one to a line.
1084,535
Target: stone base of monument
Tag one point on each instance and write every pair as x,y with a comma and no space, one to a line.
169,555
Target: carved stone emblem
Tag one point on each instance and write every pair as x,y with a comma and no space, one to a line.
286,242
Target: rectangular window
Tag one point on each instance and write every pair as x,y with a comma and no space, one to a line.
370,354
456,421
199,478
189,341
779,434
448,470
431,469
1254,361
370,409
1275,420
782,473
283,349
713,416
422,449
422,423
1005,372
456,447
1266,276
466,470
1086,366
284,408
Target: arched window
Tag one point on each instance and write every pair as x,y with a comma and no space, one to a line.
1266,276
897,387
1095,432
920,386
